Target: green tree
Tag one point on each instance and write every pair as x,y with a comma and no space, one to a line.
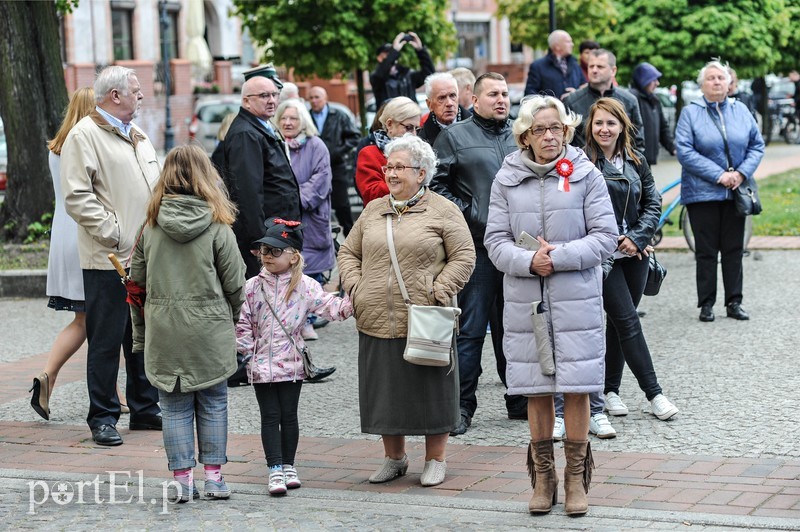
791,49
33,96
582,19
331,37
679,36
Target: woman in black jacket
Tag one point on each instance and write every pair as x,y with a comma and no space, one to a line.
637,206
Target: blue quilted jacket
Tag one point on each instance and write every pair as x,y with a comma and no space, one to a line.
701,150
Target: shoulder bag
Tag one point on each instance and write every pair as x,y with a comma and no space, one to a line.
655,276
745,197
431,329
309,368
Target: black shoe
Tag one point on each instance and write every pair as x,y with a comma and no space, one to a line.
322,374
707,313
736,312
319,323
147,422
516,406
521,414
462,426
106,435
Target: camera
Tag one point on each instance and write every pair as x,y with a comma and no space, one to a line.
407,38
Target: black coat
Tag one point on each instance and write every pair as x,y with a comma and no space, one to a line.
260,178
656,128
470,153
431,128
341,137
404,82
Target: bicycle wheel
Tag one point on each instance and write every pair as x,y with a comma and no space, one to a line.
767,129
791,133
687,228
748,231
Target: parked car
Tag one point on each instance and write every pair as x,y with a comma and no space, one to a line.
3,157
208,114
668,105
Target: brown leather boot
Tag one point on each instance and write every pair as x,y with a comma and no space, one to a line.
577,476
544,480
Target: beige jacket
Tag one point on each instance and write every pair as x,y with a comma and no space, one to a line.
435,253
107,180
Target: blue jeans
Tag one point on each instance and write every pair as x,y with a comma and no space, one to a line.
481,303
180,410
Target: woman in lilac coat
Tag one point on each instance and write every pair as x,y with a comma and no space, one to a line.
552,191
311,163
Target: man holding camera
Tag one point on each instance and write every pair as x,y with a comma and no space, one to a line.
392,79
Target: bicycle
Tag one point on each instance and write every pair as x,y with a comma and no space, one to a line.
683,221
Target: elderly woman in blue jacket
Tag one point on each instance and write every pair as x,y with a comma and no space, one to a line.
552,191
719,148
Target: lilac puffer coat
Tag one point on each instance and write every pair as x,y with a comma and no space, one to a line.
581,224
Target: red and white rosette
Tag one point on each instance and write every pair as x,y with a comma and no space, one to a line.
564,169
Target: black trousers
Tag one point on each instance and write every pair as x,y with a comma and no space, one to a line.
718,230
108,327
280,430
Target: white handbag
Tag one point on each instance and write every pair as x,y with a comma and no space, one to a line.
431,329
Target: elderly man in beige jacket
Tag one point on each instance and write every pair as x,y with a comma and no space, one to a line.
108,170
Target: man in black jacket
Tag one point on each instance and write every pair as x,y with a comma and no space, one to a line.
260,179
340,135
470,154
390,79
602,69
441,92
644,80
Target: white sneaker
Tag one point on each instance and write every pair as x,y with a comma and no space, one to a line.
662,408
290,476
615,406
277,482
559,431
600,426
309,333
433,473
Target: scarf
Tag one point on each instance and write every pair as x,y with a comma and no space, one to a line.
442,126
297,142
381,139
401,206
540,170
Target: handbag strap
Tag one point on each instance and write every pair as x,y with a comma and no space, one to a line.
724,136
288,335
393,255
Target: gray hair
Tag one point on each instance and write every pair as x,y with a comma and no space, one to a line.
110,78
533,104
464,77
306,123
555,37
714,63
599,52
438,76
289,91
420,151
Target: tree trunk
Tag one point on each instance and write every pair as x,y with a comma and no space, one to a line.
33,97
362,106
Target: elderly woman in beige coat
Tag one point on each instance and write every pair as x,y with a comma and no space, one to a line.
436,257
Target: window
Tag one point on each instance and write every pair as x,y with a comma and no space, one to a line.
171,33
121,30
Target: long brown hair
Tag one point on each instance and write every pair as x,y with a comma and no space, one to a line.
624,141
80,104
188,170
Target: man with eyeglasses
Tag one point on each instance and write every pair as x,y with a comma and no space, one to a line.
108,171
470,154
259,176
602,69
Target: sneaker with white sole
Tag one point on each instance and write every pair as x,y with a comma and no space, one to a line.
559,431
290,474
277,482
662,408
216,489
615,406
600,426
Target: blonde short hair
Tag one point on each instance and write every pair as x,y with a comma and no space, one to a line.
533,104
400,109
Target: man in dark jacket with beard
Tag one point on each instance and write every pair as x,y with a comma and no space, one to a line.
390,78
470,154
260,179
441,92
656,129
341,137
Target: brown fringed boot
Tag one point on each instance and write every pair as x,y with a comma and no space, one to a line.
544,480
577,476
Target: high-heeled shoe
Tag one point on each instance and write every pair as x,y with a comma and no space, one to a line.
40,400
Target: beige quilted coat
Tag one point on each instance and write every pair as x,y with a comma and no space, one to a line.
434,250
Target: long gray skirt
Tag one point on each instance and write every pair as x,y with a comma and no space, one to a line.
400,398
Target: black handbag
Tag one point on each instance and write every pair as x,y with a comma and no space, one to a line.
655,276
239,378
746,199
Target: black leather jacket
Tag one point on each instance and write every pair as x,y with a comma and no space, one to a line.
635,197
339,135
470,153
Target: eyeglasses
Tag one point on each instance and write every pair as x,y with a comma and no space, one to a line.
264,95
400,168
557,130
410,128
275,252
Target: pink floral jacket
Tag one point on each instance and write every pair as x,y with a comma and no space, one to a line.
275,359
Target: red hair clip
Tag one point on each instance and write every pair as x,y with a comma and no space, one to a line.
287,223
